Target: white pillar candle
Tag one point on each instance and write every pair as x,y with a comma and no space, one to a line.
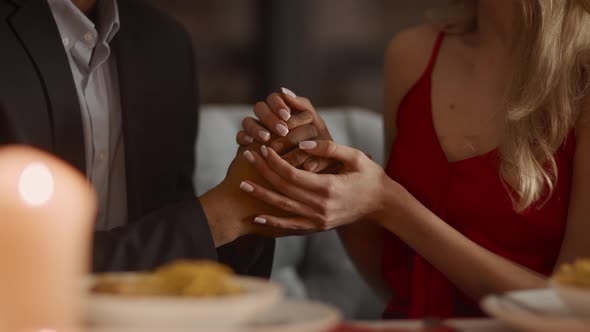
47,211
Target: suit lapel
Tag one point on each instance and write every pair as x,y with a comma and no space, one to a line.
35,27
21,92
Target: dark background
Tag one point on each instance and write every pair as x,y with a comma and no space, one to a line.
328,50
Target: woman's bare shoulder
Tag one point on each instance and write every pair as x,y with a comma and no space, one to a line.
406,58
409,52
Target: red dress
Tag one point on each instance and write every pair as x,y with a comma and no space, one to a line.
470,196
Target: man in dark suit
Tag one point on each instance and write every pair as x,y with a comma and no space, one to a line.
109,87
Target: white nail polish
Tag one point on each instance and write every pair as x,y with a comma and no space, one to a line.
249,139
282,130
289,92
284,114
264,135
308,145
249,156
246,187
264,151
260,221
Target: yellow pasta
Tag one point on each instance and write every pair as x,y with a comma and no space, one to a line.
180,278
576,274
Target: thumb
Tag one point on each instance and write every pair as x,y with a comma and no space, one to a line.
331,150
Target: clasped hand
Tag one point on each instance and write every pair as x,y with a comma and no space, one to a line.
312,202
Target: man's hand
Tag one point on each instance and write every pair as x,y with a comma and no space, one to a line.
231,213
293,120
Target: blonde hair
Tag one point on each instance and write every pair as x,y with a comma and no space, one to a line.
543,99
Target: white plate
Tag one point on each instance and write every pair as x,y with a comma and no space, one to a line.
175,312
289,316
296,316
577,299
534,310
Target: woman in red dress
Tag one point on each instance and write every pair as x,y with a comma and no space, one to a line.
487,188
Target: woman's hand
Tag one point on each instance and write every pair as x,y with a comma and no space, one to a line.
321,201
285,120
228,224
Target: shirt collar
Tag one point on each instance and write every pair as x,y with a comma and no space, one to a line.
108,16
73,24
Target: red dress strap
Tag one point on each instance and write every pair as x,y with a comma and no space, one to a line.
435,51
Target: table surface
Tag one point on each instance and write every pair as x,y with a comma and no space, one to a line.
462,325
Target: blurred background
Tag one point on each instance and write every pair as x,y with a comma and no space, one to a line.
328,50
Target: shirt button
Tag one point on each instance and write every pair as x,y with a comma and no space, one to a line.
101,156
66,41
89,37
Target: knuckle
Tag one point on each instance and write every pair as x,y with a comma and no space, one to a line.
330,190
301,228
307,116
331,148
300,119
274,98
323,222
241,137
311,132
260,110
297,158
358,157
286,205
292,175
246,122
264,194
293,138
323,210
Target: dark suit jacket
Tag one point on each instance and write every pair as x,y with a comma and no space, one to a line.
40,107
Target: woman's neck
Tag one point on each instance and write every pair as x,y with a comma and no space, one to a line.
495,21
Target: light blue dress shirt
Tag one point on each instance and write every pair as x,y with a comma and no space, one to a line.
94,72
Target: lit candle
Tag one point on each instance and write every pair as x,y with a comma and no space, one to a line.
47,210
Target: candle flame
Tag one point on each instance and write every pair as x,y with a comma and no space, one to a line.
36,185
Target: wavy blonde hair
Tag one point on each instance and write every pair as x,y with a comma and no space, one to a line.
543,100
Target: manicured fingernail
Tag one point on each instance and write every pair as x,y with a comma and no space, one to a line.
260,221
246,187
312,165
249,139
249,156
264,151
289,92
265,135
284,114
308,145
282,130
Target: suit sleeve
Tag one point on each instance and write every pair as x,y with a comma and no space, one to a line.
180,230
